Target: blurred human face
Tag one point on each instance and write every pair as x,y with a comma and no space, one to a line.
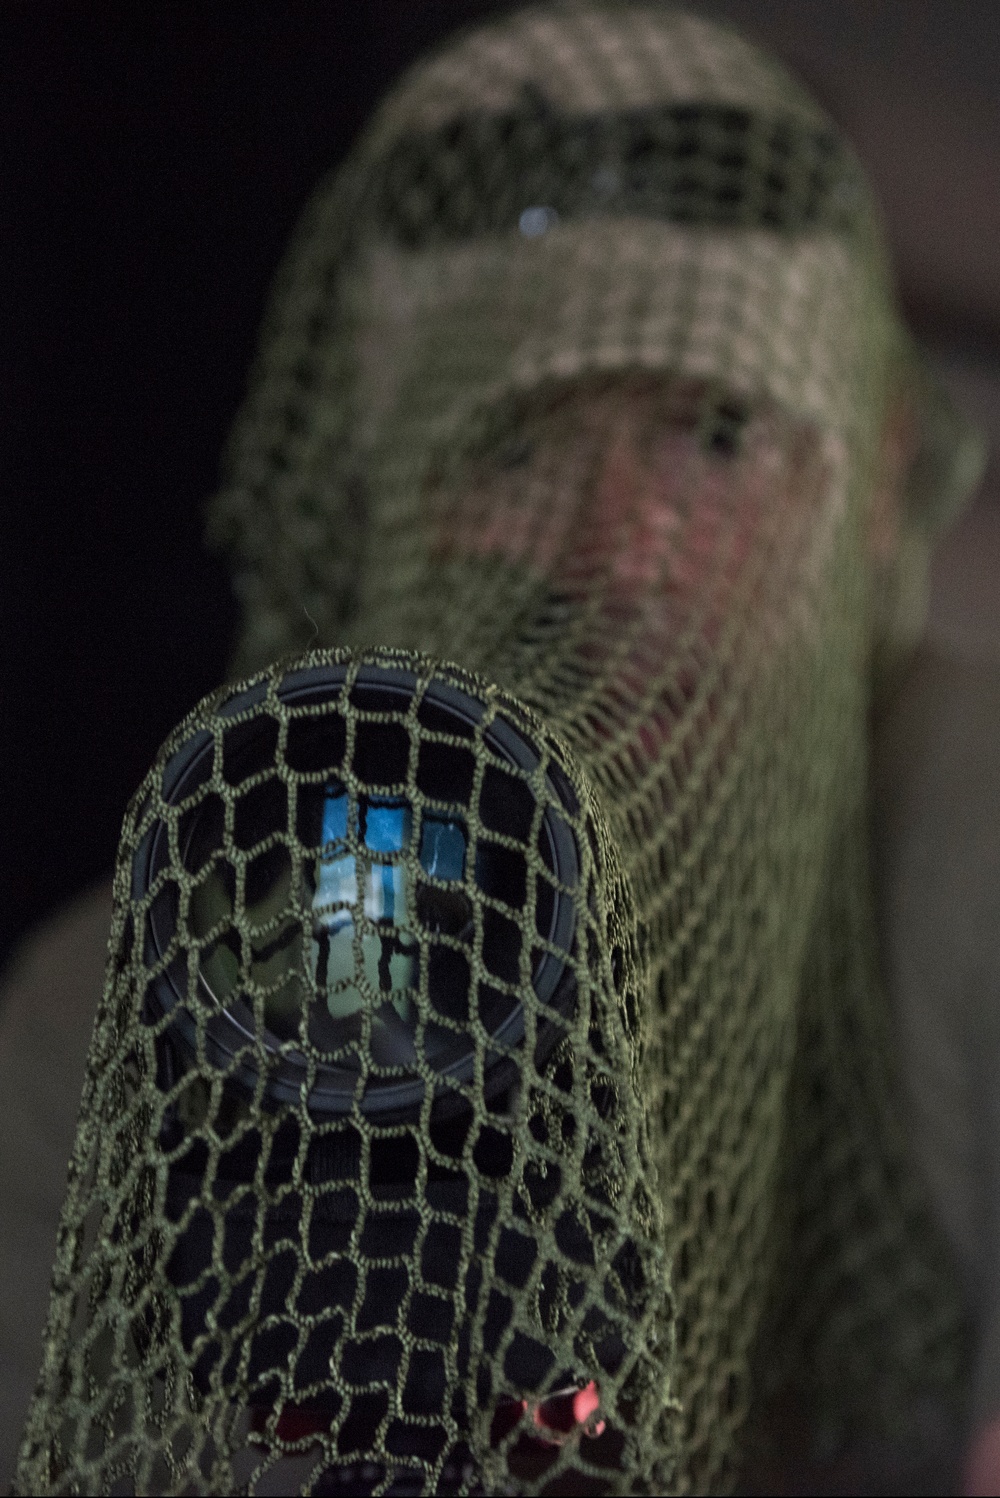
662,509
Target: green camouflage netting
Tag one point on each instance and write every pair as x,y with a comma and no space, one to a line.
491,1091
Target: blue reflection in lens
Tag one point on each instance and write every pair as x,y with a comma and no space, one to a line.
390,953
386,829
385,826
442,848
334,815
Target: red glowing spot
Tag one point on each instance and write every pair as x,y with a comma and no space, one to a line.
584,1405
557,1418
295,1423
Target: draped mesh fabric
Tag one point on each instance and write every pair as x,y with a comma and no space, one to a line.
492,1089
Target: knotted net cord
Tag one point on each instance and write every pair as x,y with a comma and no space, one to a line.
565,438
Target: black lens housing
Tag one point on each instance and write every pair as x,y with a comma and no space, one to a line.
232,1037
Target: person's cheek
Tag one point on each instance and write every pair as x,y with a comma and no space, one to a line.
500,526
532,517
491,520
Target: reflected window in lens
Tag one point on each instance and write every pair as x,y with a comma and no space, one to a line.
364,923
389,953
383,956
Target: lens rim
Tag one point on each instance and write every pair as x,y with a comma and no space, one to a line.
230,1035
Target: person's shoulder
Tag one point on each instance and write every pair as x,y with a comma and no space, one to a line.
936,859
936,766
50,987
49,992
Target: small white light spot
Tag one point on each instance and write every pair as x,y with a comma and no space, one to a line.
535,221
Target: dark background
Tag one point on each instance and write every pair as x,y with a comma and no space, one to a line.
154,157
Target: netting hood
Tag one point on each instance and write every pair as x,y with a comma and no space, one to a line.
491,1090
572,190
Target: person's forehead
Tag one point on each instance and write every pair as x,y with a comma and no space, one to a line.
786,320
